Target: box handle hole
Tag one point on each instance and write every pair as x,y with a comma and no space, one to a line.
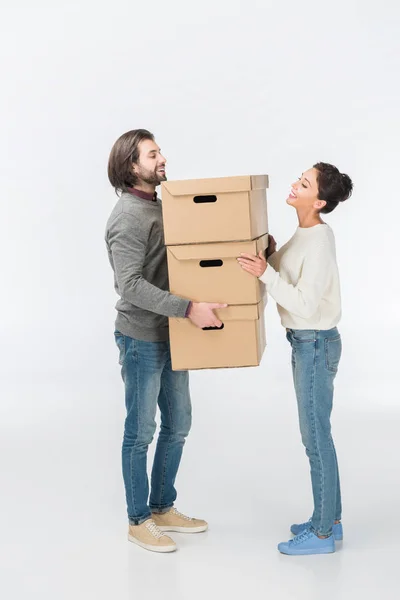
213,328
204,199
211,263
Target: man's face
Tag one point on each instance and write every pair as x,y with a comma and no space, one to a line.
150,167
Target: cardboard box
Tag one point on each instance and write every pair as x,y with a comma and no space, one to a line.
240,343
214,210
211,272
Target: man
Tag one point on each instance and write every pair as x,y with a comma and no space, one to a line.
137,254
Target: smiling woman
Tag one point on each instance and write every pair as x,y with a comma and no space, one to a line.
323,186
303,279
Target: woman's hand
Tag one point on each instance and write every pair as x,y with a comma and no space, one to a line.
255,265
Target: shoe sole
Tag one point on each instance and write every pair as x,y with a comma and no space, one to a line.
308,552
200,529
161,549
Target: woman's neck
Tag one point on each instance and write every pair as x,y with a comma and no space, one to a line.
309,220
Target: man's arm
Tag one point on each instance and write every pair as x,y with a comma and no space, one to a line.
128,245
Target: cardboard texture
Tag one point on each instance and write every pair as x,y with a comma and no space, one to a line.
211,273
240,343
214,210
208,223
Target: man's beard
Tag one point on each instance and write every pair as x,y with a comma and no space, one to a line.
151,177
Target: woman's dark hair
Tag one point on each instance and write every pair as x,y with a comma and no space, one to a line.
124,153
333,186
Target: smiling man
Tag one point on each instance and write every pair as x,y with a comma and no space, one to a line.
135,243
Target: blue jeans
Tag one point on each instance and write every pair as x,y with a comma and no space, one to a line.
315,360
149,380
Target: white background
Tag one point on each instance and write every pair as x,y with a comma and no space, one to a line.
228,88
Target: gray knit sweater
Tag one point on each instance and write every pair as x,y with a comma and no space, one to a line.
136,250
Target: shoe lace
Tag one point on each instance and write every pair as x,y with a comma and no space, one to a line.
179,514
154,529
302,537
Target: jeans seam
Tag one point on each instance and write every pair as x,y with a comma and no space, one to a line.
168,447
321,471
133,449
122,359
122,350
327,342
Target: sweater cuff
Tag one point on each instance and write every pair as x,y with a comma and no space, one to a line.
189,306
268,277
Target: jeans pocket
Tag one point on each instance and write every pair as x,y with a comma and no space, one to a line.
333,352
303,335
120,341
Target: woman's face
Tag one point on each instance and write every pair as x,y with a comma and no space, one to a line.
304,192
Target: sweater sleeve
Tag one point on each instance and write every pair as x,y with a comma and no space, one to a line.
303,298
128,245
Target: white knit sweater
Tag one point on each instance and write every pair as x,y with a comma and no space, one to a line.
303,279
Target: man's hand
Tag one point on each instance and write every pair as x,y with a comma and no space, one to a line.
271,246
202,314
255,265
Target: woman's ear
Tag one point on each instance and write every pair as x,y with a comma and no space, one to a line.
319,204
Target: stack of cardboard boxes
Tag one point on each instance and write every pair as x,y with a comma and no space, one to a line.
208,223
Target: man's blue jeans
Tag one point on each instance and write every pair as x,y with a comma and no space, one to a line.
149,380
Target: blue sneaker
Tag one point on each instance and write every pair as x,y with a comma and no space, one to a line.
337,530
308,543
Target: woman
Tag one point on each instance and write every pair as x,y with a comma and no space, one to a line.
303,279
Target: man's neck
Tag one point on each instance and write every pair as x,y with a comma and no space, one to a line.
147,188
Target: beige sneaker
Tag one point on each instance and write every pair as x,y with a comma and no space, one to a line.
173,520
148,536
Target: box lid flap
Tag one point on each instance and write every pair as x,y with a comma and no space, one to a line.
240,312
262,243
212,251
191,187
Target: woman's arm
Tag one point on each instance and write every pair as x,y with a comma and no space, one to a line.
303,298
